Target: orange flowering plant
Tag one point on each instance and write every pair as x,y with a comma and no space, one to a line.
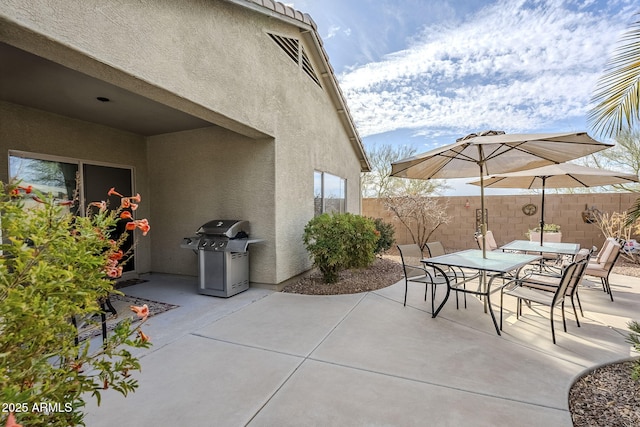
55,267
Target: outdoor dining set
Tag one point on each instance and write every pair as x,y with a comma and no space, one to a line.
532,161
521,269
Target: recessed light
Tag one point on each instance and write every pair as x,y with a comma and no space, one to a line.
103,99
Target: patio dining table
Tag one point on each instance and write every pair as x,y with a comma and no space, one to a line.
497,263
548,247
556,248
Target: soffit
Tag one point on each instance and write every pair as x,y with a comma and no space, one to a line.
29,80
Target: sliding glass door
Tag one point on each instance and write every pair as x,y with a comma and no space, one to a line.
66,179
97,181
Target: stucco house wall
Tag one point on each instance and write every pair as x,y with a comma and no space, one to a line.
207,174
270,125
36,131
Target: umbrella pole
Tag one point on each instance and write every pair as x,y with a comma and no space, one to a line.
483,226
483,229
544,179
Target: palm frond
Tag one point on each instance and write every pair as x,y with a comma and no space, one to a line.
634,212
617,95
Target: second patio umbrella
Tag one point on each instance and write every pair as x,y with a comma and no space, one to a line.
563,175
493,152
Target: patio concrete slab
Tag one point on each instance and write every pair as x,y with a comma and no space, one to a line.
618,313
289,323
194,310
263,358
324,394
407,343
196,381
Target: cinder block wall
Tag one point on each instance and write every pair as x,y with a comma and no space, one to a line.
507,220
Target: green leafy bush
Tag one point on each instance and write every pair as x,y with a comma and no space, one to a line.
54,267
340,241
387,235
634,338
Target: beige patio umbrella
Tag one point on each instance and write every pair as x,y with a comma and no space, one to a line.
563,175
494,152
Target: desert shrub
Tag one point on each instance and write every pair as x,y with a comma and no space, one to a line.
55,266
421,216
387,235
340,241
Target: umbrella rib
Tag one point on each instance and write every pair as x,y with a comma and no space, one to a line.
533,181
459,156
517,147
576,178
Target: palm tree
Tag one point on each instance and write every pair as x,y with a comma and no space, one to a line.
617,95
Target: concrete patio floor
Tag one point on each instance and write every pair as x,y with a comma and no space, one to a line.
262,358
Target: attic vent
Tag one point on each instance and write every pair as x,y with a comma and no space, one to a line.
293,49
308,68
290,46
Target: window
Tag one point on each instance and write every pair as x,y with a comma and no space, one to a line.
48,176
329,193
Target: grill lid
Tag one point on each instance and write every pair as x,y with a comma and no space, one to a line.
230,228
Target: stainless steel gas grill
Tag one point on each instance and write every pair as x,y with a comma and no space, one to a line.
223,259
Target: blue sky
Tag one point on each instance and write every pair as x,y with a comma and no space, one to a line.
423,73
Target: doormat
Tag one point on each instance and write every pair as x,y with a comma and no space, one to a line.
92,327
130,282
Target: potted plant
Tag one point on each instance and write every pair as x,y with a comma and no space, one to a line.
552,233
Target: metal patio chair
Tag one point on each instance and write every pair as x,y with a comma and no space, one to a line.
549,282
604,262
455,274
491,241
515,288
416,272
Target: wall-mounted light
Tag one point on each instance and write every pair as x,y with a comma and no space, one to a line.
467,204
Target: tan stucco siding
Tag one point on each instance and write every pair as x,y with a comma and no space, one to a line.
207,44
39,132
215,60
319,145
309,137
206,174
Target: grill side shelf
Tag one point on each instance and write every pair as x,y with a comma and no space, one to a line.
240,245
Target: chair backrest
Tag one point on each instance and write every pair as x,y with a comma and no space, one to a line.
578,274
570,276
613,256
435,249
411,256
477,237
491,241
583,254
609,255
605,247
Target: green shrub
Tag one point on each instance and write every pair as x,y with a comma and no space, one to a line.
55,266
387,235
634,338
340,241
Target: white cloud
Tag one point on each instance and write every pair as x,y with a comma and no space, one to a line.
515,66
333,30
